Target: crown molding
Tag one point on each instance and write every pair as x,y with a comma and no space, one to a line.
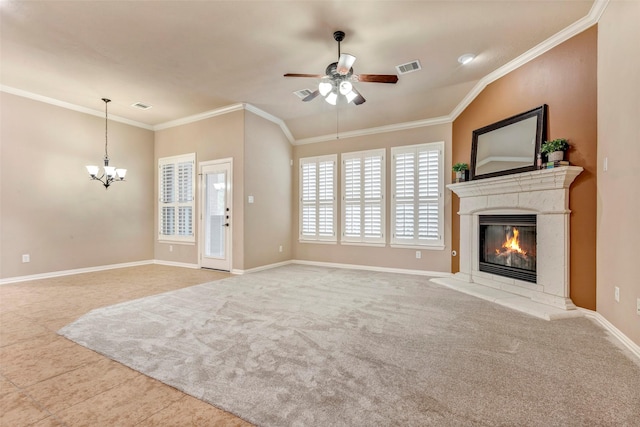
258,112
69,106
201,116
375,130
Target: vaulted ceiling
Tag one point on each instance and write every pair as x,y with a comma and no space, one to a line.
187,57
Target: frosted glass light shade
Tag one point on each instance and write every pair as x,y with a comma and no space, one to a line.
345,87
93,170
332,98
324,88
110,171
351,96
345,63
121,173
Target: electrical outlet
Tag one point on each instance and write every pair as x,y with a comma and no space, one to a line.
280,248
616,293
418,254
26,258
170,248
638,306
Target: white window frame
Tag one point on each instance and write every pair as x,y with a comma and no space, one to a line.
187,184
318,200
356,201
413,199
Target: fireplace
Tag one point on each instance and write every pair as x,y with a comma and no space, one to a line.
536,204
507,246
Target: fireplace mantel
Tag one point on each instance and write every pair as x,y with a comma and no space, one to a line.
544,193
539,180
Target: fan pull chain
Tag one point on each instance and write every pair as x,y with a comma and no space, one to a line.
337,122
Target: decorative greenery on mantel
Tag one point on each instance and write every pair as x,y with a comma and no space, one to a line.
459,167
559,144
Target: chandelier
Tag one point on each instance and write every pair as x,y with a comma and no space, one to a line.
110,173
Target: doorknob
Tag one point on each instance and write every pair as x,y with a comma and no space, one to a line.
225,225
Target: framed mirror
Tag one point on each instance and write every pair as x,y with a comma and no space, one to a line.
510,145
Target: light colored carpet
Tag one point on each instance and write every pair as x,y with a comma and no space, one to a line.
310,346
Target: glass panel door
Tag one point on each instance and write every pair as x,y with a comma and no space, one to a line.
216,215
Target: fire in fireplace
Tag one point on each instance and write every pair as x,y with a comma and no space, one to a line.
508,246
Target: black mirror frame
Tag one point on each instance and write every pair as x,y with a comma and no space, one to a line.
541,135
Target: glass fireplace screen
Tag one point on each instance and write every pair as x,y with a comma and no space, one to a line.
507,246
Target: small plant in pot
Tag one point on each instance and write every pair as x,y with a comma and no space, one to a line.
462,172
555,149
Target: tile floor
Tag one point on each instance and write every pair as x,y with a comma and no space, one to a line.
47,380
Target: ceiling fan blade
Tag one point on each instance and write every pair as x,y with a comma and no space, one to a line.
315,76
311,96
377,78
345,63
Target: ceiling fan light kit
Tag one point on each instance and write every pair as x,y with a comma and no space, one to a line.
339,76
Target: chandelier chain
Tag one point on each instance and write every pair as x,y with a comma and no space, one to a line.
106,122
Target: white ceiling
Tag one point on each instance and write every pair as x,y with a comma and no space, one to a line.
189,57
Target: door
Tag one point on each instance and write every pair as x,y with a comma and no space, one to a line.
215,214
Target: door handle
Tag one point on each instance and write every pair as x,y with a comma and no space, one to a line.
225,225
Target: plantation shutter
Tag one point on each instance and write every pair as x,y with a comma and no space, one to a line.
177,197
363,197
317,199
418,204
428,195
352,199
308,187
167,192
185,198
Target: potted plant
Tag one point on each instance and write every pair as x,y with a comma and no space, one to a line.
462,171
555,149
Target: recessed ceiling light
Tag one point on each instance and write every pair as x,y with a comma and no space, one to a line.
466,58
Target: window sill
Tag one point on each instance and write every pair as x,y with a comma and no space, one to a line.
176,242
322,242
372,244
425,247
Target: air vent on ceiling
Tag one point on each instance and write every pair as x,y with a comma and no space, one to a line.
303,93
141,106
409,67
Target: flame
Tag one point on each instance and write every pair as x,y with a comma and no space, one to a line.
513,243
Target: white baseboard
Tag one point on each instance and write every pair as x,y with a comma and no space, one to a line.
373,268
625,340
262,267
175,264
71,272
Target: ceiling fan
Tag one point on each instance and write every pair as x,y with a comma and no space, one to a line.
339,76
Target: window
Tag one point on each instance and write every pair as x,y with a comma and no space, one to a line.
318,198
176,203
363,183
417,206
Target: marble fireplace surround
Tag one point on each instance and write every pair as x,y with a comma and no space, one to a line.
544,193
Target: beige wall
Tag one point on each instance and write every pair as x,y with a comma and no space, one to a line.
432,260
50,209
267,221
215,138
618,188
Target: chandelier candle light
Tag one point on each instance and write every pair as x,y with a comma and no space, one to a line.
110,173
